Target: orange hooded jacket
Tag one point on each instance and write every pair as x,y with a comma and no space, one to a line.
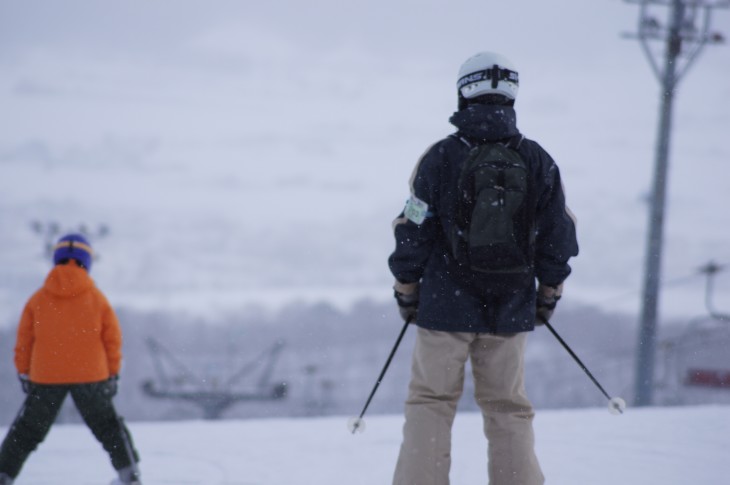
68,333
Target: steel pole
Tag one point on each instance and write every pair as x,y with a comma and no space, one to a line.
653,256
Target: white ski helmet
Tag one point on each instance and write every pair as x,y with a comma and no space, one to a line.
487,73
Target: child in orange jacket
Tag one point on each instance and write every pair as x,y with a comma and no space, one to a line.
69,341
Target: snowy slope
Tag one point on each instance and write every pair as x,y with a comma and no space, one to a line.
239,154
667,446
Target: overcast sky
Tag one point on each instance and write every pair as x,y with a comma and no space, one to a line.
182,115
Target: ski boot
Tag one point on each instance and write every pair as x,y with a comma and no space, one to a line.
127,476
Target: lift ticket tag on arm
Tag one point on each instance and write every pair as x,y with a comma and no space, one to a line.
416,210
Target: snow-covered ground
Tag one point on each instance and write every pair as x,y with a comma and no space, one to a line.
257,152
667,446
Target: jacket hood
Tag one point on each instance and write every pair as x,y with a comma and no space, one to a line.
68,280
486,122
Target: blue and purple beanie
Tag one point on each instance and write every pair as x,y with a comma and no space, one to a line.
73,246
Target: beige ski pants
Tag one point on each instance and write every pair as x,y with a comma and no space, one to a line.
437,382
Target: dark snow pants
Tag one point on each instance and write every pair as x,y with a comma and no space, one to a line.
39,411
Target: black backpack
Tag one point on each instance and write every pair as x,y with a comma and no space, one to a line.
493,227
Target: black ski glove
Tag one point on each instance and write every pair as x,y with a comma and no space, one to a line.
25,383
547,299
111,386
406,295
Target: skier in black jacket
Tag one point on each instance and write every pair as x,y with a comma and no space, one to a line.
462,315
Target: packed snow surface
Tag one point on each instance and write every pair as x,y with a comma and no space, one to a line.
667,446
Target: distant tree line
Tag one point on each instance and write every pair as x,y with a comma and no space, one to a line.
329,361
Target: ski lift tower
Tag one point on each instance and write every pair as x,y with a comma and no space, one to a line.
684,35
50,231
176,382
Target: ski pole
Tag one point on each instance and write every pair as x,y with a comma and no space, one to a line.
616,405
356,424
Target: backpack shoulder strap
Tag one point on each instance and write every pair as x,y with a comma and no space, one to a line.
515,142
463,140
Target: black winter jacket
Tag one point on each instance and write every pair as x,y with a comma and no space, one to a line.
448,300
